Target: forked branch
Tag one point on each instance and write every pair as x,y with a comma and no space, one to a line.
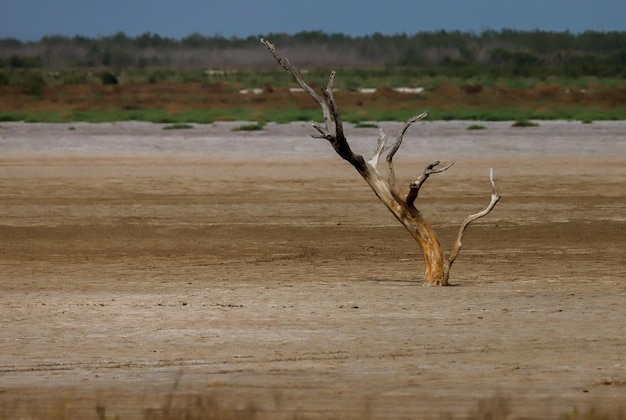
396,146
414,188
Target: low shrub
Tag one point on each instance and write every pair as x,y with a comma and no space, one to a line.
33,85
108,78
250,127
178,126
365,124
476,127
524,123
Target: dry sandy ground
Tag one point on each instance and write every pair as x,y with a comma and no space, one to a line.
142,268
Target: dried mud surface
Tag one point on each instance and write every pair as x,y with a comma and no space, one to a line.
142,267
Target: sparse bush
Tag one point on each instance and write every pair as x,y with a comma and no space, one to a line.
108,78
472,89
12,116
156,76
476,127
33,84
178,126
524,123
250,127
365,124
21,62
193,76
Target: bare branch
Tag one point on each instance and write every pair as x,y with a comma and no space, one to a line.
334,109
330,110
380,148
284,62
428,171
494,200
398,141
396,146
324,134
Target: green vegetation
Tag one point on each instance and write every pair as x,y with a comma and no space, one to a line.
33,84
108,78
364,124
463,76
476,127
524,123
505,53
209,116
250,127
178,126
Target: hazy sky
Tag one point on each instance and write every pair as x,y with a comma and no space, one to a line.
32,19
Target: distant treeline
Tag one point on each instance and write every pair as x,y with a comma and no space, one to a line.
500,53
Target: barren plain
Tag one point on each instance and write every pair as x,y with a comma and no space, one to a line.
149,273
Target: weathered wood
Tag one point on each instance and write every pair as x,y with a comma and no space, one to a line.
494,200
402,206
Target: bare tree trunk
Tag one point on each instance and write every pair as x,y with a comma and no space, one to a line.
437,263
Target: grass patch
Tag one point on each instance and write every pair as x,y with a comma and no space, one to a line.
365,124
355,115
257,126
168,96
524,123
477,127
194,406
12,116
285,116
178,126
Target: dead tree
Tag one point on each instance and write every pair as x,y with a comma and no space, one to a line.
383,181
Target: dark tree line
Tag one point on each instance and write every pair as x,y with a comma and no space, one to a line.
503,52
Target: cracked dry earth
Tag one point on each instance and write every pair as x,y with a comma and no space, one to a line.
146,272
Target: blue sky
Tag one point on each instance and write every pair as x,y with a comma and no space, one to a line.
32,19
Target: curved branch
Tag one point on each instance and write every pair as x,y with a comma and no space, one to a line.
494,200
